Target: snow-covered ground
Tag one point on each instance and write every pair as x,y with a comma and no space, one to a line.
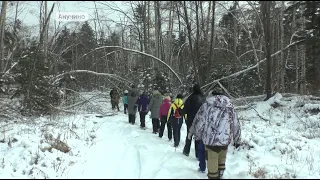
281,142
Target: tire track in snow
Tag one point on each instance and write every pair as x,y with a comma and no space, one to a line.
139,162
164,159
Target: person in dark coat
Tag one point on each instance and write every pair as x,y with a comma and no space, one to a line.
143,103
191,106
154,107
114,95
132,106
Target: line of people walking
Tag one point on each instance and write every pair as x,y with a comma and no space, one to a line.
211,121
163,112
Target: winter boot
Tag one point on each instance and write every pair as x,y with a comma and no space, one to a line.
185,154
201,171
220,174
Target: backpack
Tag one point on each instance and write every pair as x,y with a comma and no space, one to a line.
178,113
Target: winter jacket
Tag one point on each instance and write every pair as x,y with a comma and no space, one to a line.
165,106
155,104
143,103
216,122
193,103
125,98
176,103
132,99
114,95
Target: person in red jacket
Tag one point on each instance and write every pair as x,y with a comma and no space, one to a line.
163,112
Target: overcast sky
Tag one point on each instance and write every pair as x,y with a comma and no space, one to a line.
29,10
29,13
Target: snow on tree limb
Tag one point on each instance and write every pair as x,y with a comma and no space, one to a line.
139,52
114,76
225,90
252,67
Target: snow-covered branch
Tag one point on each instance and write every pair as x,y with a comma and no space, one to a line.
114,76
139,52
252,67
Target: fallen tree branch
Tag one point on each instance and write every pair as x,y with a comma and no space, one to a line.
139,52
114,76
252,67
80,103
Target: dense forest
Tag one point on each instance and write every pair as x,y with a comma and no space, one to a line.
254,47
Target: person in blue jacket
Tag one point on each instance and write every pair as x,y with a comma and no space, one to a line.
125,101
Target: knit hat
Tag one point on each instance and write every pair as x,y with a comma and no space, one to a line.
126,91
217,89
168,97
179,96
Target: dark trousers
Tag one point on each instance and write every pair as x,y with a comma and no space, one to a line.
155,124
176,124
115,105
132,118
163,121
186,149
201,155
125,106
142,119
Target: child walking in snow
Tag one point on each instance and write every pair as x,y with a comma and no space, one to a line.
125,101
143,102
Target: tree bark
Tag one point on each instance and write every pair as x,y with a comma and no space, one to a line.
303,54
282,61
296,54
197,44
2,25
207,22
190,41
155,3
265,12
235,34
211,50
45,47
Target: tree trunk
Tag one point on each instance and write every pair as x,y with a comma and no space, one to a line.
2,25
282,61
169,36
197,44
156,16
303,54
207,22
235,34
190,41
296,54
265,12
211,50
45,39
202,19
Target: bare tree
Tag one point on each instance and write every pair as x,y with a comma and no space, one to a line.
282,62
302,53
45,39
186,18
2,25
265,12
211,50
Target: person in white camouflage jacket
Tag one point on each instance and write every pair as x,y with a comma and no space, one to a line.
216,125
